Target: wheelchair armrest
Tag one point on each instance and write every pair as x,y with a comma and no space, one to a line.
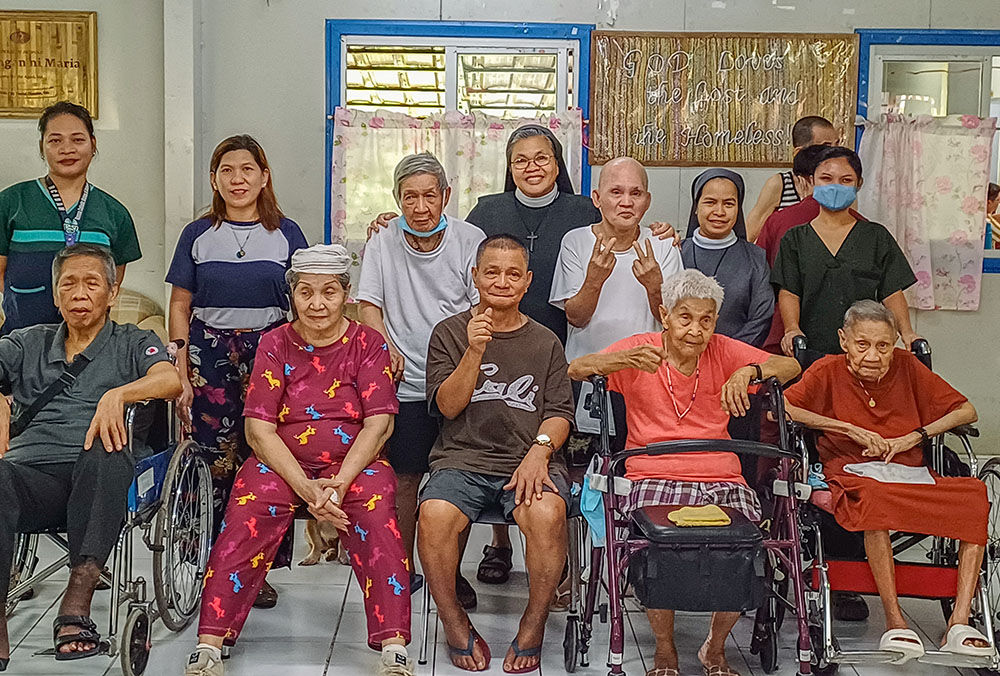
966,431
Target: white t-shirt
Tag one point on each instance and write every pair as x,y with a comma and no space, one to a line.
417,290
623,308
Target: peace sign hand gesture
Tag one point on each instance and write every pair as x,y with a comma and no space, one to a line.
646,268
602,260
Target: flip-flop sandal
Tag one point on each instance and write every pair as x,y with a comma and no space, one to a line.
718,670
496,564
87,634
474,640
528,652
663,671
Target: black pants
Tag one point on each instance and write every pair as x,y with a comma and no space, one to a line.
87,498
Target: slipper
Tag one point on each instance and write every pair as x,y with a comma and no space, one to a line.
496,564
904,641
529,652
663,671
87,634
960,633
718,670
474,640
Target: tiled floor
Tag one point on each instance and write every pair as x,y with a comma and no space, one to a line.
318,629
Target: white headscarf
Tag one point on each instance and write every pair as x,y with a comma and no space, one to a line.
322,259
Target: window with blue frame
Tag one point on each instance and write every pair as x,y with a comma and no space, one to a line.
421,68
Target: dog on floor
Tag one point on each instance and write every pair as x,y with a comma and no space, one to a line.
324,543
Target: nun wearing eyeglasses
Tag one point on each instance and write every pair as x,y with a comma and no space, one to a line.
716,245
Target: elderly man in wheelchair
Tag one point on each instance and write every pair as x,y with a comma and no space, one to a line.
685,383
876,407
64,454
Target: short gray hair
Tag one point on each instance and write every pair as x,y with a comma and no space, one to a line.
292,277
869,311
412,165
691,284
93,250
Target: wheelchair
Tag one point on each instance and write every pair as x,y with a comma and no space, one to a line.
680,568
935,578
170,504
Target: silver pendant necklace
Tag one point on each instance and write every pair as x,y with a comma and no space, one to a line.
242,247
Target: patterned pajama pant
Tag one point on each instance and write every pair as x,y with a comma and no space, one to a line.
260,510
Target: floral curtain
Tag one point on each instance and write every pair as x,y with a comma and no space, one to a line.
367,146
925,180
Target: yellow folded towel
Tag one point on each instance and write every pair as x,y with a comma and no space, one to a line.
706,515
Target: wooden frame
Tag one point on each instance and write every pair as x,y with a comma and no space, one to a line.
38,70
850,83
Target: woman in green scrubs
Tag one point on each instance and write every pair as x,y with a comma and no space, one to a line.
825,266
41,216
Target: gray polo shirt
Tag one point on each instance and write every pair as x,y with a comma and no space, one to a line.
34,357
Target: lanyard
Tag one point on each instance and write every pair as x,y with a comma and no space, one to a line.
70,224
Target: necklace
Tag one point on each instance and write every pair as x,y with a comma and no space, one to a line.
242,247
694,392
694,254
871,399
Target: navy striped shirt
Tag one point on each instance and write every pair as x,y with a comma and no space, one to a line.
230,291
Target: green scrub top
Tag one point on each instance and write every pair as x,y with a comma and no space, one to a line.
31,234
869,265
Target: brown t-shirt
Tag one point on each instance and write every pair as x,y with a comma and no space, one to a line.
522,381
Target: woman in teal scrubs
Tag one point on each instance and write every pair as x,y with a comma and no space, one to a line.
41,216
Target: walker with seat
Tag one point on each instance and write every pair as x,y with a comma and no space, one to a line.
935,578
739,567
170,504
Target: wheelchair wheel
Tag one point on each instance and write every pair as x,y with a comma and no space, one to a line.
768,649
135,643
183,537
571,645
990,476
820,665
25,560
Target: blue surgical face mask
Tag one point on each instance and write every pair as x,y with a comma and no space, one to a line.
835,197
405,227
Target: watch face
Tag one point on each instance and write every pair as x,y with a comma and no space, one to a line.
543,439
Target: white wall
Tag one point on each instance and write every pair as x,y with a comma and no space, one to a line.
129,164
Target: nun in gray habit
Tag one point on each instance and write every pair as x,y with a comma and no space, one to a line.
716,245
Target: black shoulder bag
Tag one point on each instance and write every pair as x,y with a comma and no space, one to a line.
66,379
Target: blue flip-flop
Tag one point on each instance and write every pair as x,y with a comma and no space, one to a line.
528,652
474,639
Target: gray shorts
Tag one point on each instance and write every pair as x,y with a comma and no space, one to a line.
474,493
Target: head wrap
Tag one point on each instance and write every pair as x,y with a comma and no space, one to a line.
563,184
322,259
699,184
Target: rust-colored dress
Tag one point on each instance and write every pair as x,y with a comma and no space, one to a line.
909,396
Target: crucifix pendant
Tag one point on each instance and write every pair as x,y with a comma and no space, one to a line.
531,241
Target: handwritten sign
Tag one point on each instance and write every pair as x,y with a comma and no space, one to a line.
697,99
47,57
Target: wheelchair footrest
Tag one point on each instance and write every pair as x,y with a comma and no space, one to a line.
914,580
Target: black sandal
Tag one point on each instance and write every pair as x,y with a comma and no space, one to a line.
87,634
496,564
267,597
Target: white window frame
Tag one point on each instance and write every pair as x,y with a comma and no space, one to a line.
564,49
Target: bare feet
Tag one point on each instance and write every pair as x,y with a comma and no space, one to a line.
714,661
79,594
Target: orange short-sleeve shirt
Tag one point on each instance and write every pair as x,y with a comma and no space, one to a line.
651,416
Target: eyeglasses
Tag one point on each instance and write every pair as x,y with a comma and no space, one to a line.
541,161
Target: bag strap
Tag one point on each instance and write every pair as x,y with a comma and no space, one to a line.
65,379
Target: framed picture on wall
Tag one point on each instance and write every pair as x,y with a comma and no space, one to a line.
47,57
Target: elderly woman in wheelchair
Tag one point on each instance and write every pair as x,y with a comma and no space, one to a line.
64,456
319,408
876,407
685,383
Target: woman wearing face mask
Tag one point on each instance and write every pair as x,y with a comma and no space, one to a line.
825,266
713,247
41,216
228,278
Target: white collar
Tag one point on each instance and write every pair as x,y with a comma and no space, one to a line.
709,243
537,202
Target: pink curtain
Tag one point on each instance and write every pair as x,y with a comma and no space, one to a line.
925,180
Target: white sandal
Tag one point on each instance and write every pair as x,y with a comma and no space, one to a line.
960,633
903,641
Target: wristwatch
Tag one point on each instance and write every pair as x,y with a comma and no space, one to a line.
544,440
